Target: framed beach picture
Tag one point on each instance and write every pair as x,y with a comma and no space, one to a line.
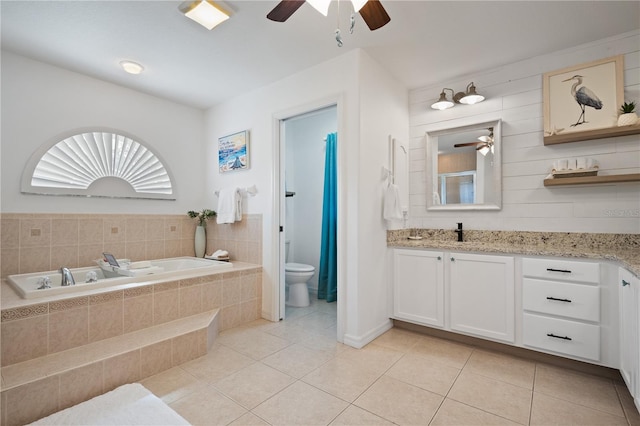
233,152
583,97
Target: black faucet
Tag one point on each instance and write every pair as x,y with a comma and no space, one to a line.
459,231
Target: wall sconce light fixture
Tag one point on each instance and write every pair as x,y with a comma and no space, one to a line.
468,97
204,12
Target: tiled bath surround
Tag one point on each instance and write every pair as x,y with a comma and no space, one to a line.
66,351
40,329
40,387
43,242
51,331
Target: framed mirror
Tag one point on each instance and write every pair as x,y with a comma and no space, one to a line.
464,167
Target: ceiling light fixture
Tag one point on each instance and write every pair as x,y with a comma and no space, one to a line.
322,6
204,12
131,67
357,4
468,97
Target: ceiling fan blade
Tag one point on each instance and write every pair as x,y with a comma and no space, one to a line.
374,15
460,145
284,10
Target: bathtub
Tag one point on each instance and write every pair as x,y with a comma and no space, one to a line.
26,285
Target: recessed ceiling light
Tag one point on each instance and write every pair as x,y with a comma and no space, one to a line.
204,12
131,67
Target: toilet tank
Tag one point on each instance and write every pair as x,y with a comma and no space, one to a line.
287,243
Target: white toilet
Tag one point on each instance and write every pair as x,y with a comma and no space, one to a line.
296,276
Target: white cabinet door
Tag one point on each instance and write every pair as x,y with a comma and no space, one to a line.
629,352
482,295
418,287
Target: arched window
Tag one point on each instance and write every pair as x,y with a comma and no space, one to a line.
98,164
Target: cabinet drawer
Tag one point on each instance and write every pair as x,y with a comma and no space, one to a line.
565,270
576,301
571,337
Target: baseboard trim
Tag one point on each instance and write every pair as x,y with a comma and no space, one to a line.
361,341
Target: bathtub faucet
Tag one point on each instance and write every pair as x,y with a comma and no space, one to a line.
44,283
67,277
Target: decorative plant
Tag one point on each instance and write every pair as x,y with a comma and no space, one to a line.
627,115
202,216
628,107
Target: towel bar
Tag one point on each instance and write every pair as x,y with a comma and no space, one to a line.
249,190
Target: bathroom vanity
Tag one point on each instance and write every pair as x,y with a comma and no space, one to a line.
552,298
478,292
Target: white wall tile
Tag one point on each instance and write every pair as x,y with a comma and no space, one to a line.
514,93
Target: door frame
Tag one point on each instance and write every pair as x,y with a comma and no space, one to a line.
278,241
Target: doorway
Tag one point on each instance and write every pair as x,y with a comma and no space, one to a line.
302,144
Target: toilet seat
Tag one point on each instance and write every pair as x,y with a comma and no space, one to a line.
298,267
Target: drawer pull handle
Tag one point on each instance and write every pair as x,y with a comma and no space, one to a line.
558,300
566,271
625,283
559,337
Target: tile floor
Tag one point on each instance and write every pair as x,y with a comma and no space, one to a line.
295,373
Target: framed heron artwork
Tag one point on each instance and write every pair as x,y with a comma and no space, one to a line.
583,97
233,152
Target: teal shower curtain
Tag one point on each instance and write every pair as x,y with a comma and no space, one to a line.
328,271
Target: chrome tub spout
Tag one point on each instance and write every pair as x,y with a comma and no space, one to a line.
67,277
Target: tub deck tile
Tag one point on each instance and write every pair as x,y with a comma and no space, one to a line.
29,371
14,307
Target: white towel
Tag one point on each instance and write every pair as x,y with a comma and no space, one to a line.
130,404
229,206
392,209
218,254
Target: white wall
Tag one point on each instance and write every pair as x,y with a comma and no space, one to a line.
41,102
305,162
514,93
259,111
383,112
371,105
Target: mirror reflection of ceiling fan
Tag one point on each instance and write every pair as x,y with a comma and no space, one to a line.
484,145
372,12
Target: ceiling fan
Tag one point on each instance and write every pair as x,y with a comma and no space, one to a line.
374,15
484,145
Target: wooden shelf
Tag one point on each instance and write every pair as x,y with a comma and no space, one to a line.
586,180
586,135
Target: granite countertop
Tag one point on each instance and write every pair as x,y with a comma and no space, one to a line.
621,248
